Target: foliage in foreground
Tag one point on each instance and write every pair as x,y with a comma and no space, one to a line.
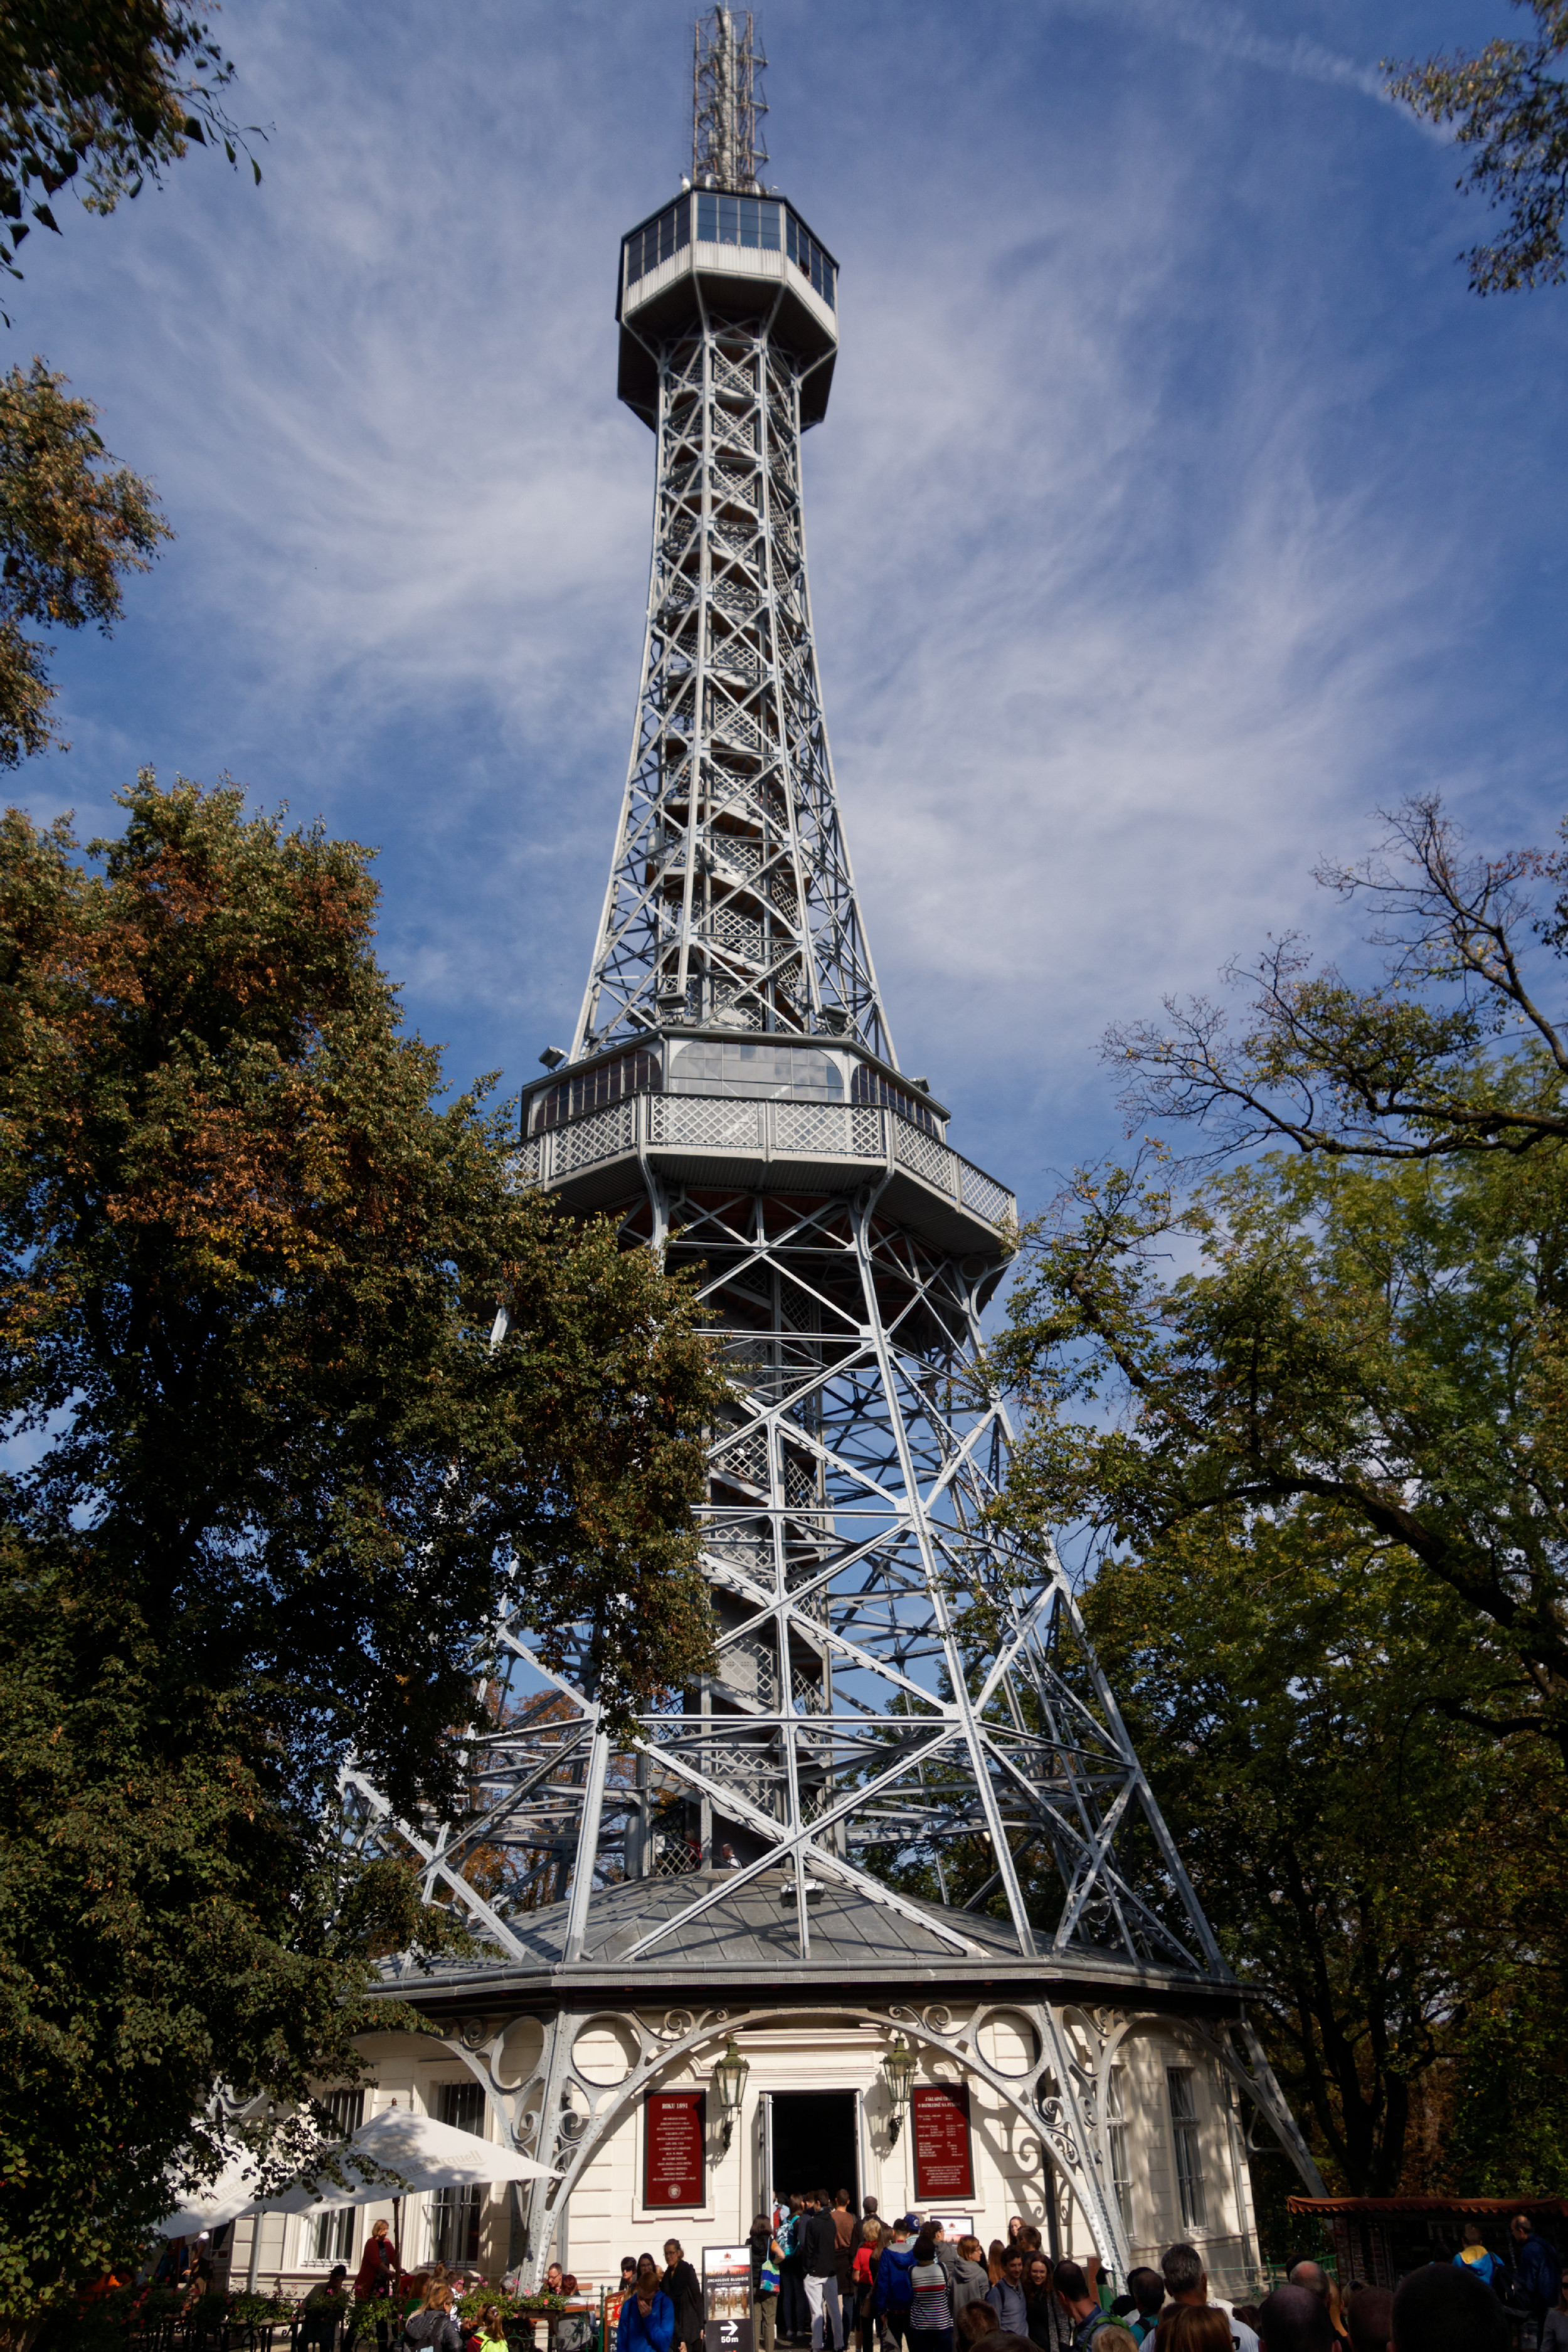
1310,1421
69,528
1380,1873
267,1480
110,91
1509,106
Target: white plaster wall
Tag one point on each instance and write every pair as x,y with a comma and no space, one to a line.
607,2217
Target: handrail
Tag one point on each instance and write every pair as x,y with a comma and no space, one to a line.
760,1127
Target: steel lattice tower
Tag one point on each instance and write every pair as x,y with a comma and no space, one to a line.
906,1725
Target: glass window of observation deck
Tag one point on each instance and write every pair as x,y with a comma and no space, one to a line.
808,257
609,1082
751,221
802,1071
658,239
868,1085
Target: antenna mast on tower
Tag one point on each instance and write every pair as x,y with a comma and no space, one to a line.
727,147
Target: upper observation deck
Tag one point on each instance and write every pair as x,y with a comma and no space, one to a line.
777,1114
734,255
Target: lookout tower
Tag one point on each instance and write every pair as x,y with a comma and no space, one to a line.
885,1901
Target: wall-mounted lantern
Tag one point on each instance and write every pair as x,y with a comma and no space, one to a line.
899,2066
729,2082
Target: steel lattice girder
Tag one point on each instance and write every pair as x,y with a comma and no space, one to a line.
730,890
900,1690
893,1674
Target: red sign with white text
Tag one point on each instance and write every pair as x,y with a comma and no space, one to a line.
941,2142
674,2129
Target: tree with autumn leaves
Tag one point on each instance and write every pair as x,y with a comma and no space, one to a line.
267,1478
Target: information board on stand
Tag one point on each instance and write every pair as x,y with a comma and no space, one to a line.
727,2299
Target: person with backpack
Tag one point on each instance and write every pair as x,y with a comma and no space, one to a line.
1535,2269
1085,2317
793,2318
1475,2257
765,2258
895,2295
931,2313
1006,2296
1149,2300
819,2244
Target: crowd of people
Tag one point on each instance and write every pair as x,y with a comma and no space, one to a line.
422,2313
824,2272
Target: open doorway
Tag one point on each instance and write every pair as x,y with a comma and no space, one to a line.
814,2143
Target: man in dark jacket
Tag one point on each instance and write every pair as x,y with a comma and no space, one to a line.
684,2288
1536,2271
819,2243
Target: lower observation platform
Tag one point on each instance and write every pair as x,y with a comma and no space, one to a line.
751,1145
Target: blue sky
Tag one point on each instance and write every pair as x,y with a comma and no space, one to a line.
1177,504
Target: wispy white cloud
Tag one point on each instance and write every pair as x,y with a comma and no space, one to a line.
1132,587
1228,33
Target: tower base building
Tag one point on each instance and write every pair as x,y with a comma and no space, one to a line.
884,1903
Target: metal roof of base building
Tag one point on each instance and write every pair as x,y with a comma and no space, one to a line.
747,1943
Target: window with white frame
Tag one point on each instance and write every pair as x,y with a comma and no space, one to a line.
1116,2134
455,2214
334,2238
1189,2150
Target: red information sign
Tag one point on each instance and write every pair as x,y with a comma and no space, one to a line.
674,2130
941,2142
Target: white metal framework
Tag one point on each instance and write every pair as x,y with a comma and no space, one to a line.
731,897
907,1756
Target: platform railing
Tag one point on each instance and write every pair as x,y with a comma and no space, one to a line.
758,1128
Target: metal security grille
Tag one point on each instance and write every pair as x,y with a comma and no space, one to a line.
334,2238
1188,2147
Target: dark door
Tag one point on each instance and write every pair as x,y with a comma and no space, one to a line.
814,2143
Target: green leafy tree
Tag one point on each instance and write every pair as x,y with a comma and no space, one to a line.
1388,1342
268,1479
1306,1422
1509,104
1365,1856
111,91
71,523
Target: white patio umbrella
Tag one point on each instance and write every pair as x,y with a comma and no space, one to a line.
230,2195
422,2152
427,2155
